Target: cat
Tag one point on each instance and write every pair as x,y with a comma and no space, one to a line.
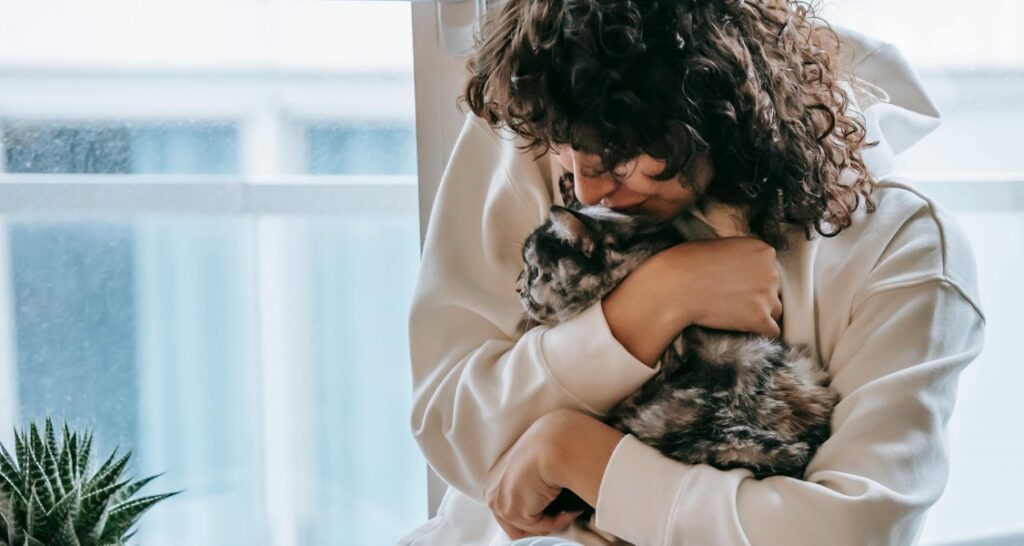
727,399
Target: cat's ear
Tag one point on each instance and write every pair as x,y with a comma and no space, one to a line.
571,227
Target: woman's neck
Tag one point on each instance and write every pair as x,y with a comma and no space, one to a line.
725,220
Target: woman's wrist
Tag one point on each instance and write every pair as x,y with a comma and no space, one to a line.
648,309
671,271
580,452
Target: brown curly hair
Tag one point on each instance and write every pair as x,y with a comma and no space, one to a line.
753,83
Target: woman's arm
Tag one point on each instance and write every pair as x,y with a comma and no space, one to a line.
476,385
870,483
730,284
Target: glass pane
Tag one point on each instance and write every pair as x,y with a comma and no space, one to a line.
261,362
370,490
89,147
982,115
149,330
363,148
142,330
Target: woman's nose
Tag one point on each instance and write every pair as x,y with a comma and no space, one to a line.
590,190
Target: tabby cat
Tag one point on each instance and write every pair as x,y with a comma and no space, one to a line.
727,399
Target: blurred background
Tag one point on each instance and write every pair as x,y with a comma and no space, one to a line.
209,235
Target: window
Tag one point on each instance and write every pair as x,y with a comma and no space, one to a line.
208,239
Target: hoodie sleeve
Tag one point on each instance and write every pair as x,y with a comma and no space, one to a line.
476,386
870,483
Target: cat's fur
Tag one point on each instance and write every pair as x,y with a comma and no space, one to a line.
726,399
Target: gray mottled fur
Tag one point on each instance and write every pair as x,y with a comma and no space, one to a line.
727,399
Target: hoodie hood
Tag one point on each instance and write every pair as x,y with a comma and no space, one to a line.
897,110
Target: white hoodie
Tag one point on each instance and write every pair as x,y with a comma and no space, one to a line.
890,305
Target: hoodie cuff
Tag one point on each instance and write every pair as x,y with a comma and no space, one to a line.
588,362
648,498
638,491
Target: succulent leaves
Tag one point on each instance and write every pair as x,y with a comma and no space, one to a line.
48,497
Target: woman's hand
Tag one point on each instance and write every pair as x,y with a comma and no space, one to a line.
522,483
731,283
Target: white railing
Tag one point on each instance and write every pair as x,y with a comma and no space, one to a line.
343,194
209,194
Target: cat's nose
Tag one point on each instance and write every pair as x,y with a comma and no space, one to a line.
520,283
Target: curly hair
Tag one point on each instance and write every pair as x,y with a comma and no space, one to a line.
754,84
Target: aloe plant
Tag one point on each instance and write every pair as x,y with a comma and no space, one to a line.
49,496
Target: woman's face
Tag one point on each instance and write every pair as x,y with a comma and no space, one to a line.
631,188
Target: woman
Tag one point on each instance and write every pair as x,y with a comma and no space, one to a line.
776,131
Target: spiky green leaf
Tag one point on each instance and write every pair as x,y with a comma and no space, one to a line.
124,515
109,473
83,454
7,463
21,451
66,536
50,455
34,517
35,440
10,488
96,503
65,510
38,480
132,489
65,472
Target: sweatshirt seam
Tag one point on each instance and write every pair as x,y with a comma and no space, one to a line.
944,276
921,281
931,213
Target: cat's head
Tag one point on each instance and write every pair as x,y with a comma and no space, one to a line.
577,256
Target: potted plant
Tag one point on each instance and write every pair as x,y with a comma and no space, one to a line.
50,497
